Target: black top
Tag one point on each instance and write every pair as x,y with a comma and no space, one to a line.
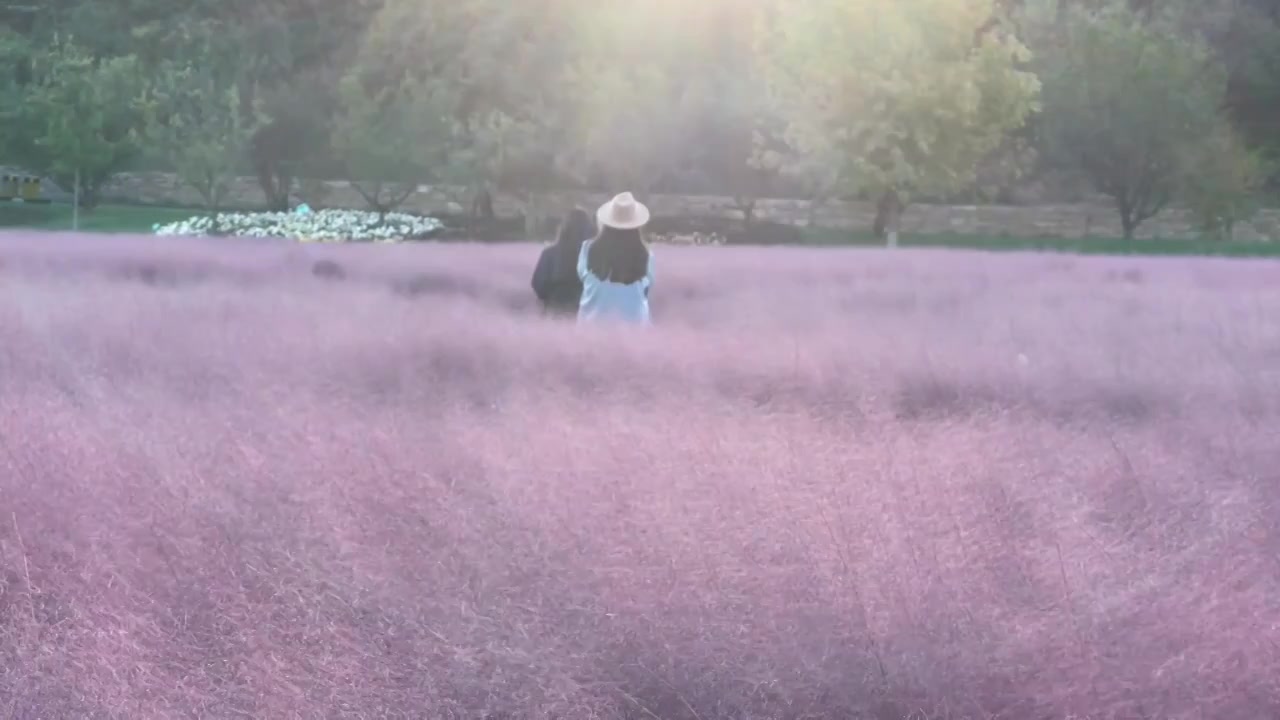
556,281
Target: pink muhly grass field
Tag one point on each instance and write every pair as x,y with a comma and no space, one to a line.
252,479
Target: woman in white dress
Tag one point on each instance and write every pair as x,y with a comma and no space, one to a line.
616,267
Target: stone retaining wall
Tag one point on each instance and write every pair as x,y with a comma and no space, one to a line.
1066,220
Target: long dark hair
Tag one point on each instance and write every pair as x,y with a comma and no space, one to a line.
618,256
576,228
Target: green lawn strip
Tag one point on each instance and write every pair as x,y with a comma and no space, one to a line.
142,218
104,218
1084,246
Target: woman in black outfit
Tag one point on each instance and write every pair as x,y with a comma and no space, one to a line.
555,279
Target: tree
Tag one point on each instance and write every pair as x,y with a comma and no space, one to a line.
387,140
79,118
196,123
503,64
738,134
632,125
294,54
15,52
1222,180
295,139
899,98
290,54
742,137
642,79
1251,51
514,154
1124,96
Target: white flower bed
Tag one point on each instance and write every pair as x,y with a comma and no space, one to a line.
318,226
696,238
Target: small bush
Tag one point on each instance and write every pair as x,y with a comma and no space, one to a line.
924,398
328,270
433,284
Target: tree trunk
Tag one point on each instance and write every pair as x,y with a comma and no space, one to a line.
888,217
1128,219
481,213
532,216
284,186
815,205
895,222
75,203
275,184
748,209
482,205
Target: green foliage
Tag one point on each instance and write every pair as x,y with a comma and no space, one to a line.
630,127
738,130
744,132
499,65
504,150
79,117
1251,50
633,102
387,140
900,97
295,140
1124,97
15,53
197,122
746,98
1222,182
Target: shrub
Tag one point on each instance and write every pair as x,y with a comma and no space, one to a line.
328,270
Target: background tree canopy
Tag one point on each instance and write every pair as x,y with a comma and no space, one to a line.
1148,103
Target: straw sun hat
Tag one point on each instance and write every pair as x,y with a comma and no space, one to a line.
623,213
